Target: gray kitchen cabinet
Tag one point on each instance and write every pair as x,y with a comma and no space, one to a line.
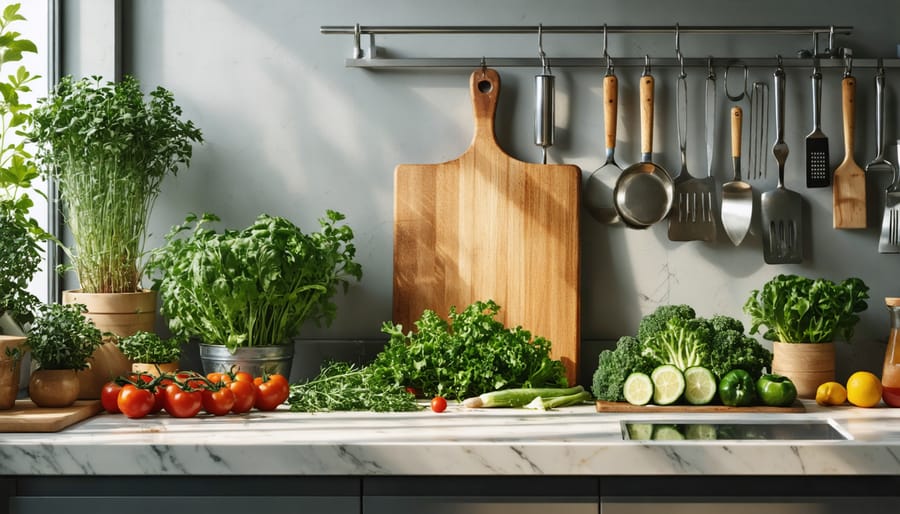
769,505
480,495
193,504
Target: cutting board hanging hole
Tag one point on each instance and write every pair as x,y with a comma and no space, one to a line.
485,86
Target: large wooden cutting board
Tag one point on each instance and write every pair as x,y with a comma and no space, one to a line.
28,417
487,226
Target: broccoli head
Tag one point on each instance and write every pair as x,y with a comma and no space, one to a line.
722,323
682,343
656,321
731,349
615,366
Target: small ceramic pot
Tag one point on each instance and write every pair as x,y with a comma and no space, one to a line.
808,365
53,387
9,369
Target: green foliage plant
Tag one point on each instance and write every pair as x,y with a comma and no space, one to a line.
251,287
109,147
62,338
20,234
149,348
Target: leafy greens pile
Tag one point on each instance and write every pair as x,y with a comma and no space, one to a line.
797,309
470,354
673,334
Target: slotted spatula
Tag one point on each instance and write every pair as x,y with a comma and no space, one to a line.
817,166
782,209
849,188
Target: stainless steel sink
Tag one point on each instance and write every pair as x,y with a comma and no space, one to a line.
738,430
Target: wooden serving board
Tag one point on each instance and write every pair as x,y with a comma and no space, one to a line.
28,417
487,226
603,406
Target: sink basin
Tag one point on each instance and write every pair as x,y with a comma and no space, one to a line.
679,430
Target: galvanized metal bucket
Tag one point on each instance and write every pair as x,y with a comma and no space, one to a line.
253,360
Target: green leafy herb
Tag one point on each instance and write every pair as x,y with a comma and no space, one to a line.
108,150
62,338
341,386
797,309
254,286
471,354
149,348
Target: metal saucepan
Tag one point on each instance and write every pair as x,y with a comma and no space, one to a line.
644,192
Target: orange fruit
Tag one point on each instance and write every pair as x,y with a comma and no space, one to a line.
864,389
831,393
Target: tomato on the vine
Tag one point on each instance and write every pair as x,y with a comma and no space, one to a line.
272,391
134,402
182,403
216,376
218,402
244,396
438,404
109,397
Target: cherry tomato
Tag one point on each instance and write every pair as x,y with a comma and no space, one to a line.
215,377
159,395
109,397
219,401
182,404
134,402
438,404
243,376
272,391
244,396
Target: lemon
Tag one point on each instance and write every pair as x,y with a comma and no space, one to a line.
831,393
864,389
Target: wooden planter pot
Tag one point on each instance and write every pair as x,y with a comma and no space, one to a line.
122,314
10,370
808,365
155,369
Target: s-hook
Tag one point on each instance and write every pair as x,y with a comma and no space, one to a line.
743,93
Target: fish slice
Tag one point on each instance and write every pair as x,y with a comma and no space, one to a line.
817,142
849,188
692,218
737,195
782,209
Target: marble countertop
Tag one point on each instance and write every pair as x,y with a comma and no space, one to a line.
572,441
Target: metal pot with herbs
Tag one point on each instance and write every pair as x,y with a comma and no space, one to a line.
62,342
247,292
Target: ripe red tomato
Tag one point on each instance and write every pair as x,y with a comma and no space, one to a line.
438,404
160,395
215,377
182,404
109,397
272,391
134,402
218,402
244,396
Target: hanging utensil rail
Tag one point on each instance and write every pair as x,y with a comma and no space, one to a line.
831,57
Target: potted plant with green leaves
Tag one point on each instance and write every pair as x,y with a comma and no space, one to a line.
803,317
150,353
245,293
109,146
61,340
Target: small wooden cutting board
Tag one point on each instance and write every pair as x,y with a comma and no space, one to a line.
603,406
28,417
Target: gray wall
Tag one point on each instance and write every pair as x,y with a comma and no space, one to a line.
290,131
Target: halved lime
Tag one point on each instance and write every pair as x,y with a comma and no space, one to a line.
638,389
667,433
640,431
700,385
668,384
701,431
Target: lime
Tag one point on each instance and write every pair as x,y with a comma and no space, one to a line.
701,431
700,385
668,384
667,433
640,431
638,389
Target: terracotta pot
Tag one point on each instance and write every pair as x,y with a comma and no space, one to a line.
10,369
122,314
53,387
808,365
154,369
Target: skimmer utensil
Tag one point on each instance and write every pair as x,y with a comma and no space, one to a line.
817,166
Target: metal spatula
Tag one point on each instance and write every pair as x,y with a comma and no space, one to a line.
737,195
693,217
782,209
817,166
889,242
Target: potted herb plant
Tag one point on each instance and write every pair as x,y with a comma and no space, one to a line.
150,353
803,317
61,341
109,147
245,293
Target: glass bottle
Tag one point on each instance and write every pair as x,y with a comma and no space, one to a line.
890,376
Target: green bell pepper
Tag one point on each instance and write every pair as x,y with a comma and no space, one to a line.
737,389
776,390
